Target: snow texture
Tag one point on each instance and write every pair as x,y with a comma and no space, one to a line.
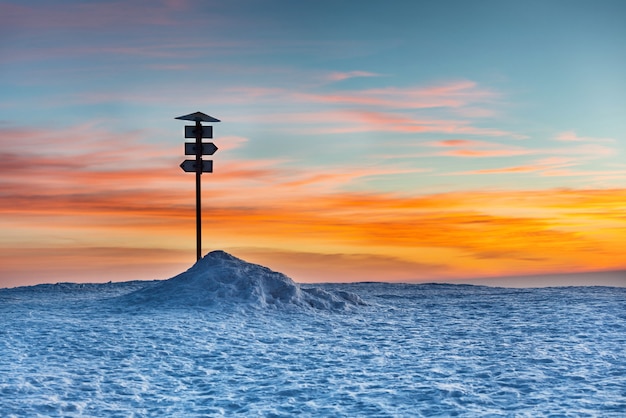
222,279
228,338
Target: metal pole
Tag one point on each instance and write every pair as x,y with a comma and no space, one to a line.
198,190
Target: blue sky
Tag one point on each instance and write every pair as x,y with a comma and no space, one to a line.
518,105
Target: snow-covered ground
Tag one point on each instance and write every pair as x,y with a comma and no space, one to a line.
230,338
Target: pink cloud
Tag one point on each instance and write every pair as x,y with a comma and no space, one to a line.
454,95
571,136
550,166
344,120
354,121
81,159
586,151
340,76
562,157
557,161
178,51
450,95
391,122
457,143
91,15
90,135
568,136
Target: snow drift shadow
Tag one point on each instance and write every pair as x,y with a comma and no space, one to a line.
222,279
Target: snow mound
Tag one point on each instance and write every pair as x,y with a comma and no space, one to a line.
222,279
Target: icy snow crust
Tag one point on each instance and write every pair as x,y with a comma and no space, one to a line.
134,349
222,279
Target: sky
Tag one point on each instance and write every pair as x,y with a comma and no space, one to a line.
359,140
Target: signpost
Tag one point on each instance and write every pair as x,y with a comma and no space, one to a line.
198,166
208,148
190,131
189,166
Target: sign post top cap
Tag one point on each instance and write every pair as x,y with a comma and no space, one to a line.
198,117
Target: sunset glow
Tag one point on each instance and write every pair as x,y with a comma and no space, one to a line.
354,144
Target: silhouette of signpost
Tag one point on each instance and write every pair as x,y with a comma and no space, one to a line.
198,166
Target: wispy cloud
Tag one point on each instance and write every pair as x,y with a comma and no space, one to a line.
555,161
139,52
340,177
446,95
586,173
91,15
478,149
340,76
454,94
571,136
270,208
514,169
584,151
387,109
459,143
542,165
312,157
373,121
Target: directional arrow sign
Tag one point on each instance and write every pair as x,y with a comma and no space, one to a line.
190,131
189,166
208,148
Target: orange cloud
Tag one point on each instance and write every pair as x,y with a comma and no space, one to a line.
89,264
458,233
336,267
484,153
446,235
57,204
478,149
344,176
588,173
514,169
